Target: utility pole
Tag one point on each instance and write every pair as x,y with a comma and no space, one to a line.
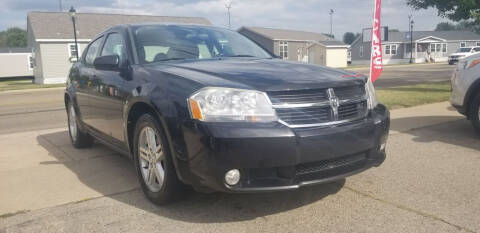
60,5
410,27
331,22
228,6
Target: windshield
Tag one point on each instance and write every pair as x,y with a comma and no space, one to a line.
155,43
463,50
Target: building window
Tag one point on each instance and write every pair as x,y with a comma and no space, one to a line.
72,49
478,43
361,50
387,49
391,49
463,44
438,47
283,46
31,62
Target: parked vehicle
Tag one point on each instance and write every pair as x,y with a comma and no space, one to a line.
207,107
462,53
466,89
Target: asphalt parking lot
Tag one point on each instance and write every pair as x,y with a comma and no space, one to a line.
429,183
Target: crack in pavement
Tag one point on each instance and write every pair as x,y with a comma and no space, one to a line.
406,208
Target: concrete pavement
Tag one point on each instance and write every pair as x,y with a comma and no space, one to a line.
429,183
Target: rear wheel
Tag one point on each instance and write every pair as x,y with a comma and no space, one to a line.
154,164
474,113
78,138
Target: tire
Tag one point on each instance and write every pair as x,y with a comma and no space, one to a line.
78,138
153,163
474,113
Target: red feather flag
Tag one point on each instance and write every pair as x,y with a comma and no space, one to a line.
376,63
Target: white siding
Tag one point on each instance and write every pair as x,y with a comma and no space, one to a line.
55,63
337,57
15,65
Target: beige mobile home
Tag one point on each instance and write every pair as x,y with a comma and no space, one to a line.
50,35
292,45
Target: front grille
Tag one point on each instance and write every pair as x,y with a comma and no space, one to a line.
314,107
329,168
349,92
298,96
354,110
299,116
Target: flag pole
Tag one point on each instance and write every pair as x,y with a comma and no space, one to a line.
371,41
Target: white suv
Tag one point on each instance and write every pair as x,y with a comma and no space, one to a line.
462,53
466,89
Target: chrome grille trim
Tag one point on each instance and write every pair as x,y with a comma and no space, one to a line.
333,103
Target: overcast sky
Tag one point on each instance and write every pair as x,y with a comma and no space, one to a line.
308,15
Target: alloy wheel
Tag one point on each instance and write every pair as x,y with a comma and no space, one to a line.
151,159
72,123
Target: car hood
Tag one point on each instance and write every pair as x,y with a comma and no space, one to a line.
263,74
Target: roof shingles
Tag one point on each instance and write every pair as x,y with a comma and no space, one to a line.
58,25
283,34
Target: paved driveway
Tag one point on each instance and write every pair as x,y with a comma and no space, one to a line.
429,183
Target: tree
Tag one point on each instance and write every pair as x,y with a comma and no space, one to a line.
394,30
456,10
13,37
3,39
464,25
467,25
446,26
349,37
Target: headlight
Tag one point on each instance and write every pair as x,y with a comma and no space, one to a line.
371,95
216,104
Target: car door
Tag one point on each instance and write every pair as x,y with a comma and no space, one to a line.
109,93
83,83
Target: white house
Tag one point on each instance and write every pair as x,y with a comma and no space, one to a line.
50,35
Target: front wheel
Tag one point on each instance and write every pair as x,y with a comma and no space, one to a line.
474,113
154,164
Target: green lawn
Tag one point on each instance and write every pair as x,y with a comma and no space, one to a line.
409,96
23,83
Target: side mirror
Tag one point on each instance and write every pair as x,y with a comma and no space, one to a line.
109,62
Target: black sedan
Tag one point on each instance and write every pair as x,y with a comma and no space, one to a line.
206,107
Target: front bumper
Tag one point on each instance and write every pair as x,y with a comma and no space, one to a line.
274,157
452,60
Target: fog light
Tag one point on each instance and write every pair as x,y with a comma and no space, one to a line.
232,177
382,147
